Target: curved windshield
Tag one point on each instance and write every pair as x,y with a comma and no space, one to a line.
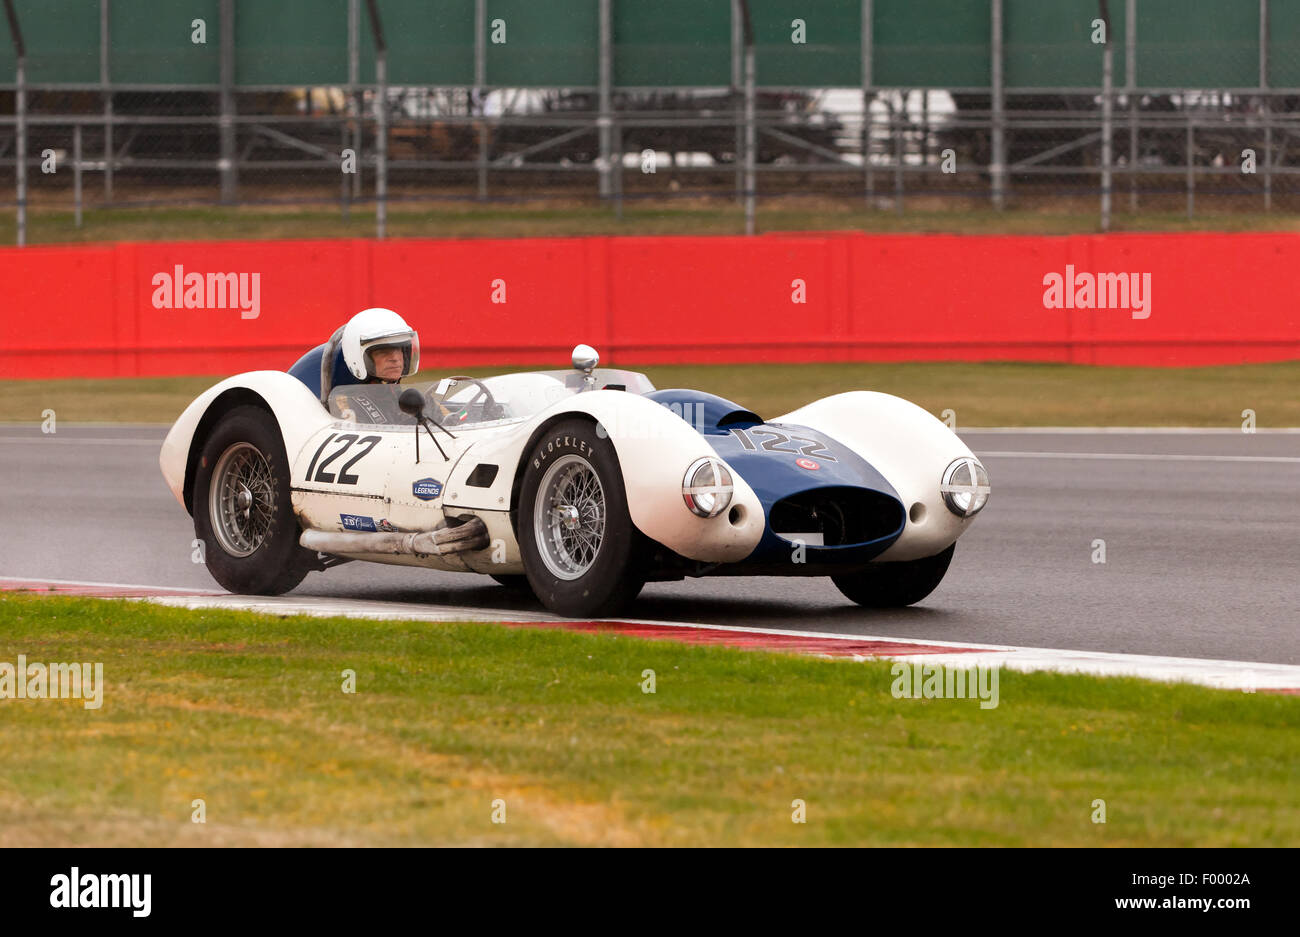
470,401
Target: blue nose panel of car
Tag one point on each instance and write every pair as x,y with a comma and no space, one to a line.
807,481
708,414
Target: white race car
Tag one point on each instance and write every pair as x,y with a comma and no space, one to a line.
581,485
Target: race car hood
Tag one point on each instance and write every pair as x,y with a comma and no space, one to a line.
812,487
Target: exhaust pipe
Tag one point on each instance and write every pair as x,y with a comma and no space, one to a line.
470,535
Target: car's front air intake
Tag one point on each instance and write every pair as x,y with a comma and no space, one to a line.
836,516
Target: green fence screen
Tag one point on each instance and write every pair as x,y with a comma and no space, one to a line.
660,43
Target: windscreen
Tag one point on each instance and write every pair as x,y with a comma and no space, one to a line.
468,401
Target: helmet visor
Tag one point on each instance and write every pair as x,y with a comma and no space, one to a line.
391,358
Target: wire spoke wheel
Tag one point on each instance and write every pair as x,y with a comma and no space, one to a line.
581,553
569,517
243,509
242,499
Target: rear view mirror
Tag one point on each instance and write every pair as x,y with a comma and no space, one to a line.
585,358
412,402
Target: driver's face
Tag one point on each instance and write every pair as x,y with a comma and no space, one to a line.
388,363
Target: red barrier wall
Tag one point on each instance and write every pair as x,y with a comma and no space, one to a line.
1215,299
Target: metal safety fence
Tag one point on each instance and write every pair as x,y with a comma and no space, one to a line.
978,124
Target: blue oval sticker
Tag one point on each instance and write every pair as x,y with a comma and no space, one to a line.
426,489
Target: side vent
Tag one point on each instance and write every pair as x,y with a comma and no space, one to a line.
483,476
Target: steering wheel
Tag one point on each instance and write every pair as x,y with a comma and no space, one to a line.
491,409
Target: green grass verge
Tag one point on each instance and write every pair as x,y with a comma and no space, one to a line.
567,217
247,712
984,394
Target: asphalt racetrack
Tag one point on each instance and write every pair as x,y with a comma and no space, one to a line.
1201,531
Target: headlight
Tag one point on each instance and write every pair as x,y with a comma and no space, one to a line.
706,487
965,487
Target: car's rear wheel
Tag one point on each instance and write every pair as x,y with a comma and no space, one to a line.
242,508
580,549
894,585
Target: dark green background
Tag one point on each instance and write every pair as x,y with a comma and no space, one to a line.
918,43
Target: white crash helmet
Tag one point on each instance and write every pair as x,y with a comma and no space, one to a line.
372,329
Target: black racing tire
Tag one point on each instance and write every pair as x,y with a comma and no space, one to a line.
515,582
252,552
602,579
895,585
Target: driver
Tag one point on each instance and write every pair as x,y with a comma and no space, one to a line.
379,347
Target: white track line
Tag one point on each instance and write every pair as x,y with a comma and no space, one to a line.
1007,454
1221,674
1129,430
330,607
1066,430
82,440
83,424
1010,430
1138,456
185,590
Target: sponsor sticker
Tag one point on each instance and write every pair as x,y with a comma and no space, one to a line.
426,489
358,522
808,464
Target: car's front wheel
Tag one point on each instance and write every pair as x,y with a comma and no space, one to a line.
580,549
242,508
894,585
512,581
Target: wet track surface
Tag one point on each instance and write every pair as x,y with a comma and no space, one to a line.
1202,535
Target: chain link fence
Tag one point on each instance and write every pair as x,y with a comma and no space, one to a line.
999,145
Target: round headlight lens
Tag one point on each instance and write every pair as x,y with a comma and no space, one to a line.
706,487
965,487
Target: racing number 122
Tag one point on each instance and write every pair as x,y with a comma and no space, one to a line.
343,478
775,440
